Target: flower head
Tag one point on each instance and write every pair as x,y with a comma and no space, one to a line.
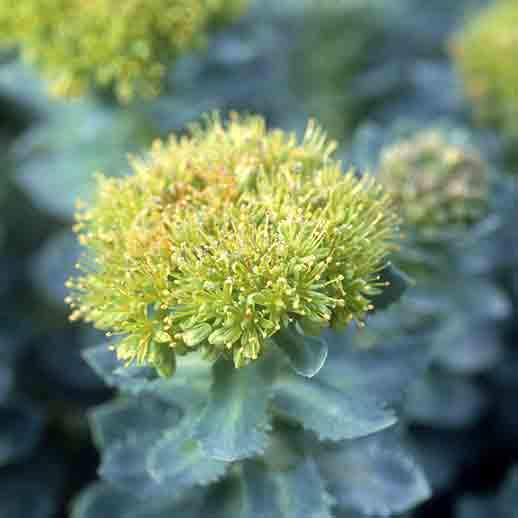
224,237
485,53
122,45
436,184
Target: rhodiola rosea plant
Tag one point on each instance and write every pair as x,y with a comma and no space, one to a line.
448,193
124,48
225,269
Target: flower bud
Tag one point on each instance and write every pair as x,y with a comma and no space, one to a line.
436,185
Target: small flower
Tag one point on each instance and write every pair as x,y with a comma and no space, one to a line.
126,45
485,54
437,185
223,237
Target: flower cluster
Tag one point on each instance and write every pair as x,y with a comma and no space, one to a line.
485,53
121,45
435,183
226,236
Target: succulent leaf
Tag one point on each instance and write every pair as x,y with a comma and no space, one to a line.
124,465
100,500
332,413
236,420
178,462
284,493
445,400
306,354
133,417
58,156
373,476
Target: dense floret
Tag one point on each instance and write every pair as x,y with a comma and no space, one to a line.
436,184
485,53
125,45
224,237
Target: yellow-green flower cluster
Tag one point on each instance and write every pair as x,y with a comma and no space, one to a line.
221,238
121,44
437,185
485,53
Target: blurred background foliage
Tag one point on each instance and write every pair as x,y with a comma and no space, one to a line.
374,73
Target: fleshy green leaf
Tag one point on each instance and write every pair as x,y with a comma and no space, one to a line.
307,354
124,465
445,401
398,282
373,475
235,422
135,417
59,156
178,462
100,500
284,493
331,413
189,506
187,389
384,371
467,344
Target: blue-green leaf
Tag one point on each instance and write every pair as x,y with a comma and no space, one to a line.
101,500
124,465
307,354
373,475
134,417
188,389
284,493
444,400
331,413
384,371
467,344
235,422
58,157
178,462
